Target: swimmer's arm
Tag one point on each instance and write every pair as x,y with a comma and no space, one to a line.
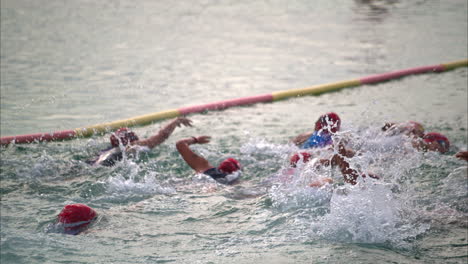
299,140
321,182
164,133
196,162
388,125
462,155
350,175
344,151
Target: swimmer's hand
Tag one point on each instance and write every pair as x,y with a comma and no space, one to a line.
183,121
202,139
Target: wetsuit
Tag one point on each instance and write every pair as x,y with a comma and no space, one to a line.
318,140
220,176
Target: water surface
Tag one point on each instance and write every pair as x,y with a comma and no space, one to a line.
72,64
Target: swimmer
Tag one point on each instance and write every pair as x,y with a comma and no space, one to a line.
327,125
414,132
75,218
228,172
409,128
124,139
431,141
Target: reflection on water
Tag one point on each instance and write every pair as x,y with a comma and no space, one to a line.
374,11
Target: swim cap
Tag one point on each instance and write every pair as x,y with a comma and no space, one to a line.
229,165
329,120
414,128
75,217
442,140
122,135
416,125
298,156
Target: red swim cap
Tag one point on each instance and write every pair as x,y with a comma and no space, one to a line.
122,135
329,120
229,165
76,216
442,140
296,157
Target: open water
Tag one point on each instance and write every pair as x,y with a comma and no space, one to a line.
69,64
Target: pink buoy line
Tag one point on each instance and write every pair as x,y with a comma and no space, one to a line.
275,96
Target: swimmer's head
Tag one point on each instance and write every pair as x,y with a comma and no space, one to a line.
229,165
415,128
124,136
76,217
436,142
330,122
304,156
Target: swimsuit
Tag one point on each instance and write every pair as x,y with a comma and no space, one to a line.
317,140
215,173
222,177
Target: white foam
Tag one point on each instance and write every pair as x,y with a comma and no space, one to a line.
148,185
373,211
263,147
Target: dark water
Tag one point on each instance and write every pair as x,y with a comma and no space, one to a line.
72,64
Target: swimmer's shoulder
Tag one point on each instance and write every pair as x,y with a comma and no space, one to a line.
109,157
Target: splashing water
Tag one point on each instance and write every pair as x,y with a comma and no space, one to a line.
374,211
127,181
369,213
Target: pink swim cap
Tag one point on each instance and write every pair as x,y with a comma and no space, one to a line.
439,138
74,217
123,135
329,120
229,165
296,157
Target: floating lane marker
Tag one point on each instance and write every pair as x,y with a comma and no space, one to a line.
314,90
136,121
226,104
220,105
